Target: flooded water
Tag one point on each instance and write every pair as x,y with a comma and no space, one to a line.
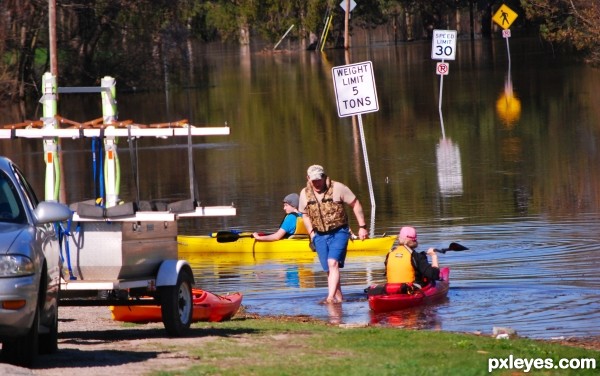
535,275
512,174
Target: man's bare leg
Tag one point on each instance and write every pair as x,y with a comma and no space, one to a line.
333,282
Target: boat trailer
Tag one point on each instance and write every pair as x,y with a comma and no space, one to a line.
115,252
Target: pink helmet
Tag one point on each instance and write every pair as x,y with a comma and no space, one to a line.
408,233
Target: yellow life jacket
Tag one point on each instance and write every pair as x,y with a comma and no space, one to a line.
399,267
326,215
301,231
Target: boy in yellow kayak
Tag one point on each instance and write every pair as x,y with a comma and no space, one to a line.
288,226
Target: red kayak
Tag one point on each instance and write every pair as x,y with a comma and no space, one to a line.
207,307
392,302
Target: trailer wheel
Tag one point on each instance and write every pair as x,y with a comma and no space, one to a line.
177,305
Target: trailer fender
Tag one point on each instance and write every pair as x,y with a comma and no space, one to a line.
169,270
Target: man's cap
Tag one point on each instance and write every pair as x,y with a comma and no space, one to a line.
408,233
315,172
292,199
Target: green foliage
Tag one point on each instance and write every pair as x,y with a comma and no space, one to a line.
315,14
369,14
120,36
275,17
569,23
223,18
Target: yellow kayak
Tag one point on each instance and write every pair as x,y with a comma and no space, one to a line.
244,243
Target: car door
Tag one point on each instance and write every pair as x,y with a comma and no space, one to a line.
47,247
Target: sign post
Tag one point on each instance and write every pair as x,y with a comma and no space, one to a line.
355,94
443,47
504,17
508,105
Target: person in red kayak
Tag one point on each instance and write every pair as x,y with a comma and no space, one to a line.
404,265
291,224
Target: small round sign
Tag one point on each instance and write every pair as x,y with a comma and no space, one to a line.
442,69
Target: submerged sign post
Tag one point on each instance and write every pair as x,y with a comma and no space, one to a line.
443,47
355,94
504,17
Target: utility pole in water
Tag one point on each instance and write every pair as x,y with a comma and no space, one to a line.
52,37
346,21
62,195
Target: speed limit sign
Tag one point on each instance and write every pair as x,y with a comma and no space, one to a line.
443,45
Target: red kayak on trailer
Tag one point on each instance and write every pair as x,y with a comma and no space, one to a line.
387,302
206,307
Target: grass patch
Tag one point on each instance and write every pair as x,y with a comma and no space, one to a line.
280,346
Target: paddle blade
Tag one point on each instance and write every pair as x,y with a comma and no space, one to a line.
227,236
457,247
452,247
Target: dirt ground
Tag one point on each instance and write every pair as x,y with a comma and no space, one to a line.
91,343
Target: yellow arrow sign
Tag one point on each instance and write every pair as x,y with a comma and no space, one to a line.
504,16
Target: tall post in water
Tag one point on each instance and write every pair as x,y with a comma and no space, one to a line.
346,26
52,37
111,165
49,110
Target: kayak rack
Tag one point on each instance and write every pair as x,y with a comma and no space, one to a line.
118,253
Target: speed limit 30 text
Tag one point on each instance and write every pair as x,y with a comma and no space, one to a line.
443,45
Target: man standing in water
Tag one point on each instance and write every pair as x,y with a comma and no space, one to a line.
322,205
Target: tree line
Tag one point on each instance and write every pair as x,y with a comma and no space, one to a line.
129,39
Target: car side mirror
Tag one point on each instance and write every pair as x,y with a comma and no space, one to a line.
51,211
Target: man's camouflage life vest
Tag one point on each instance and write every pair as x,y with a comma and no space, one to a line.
326,215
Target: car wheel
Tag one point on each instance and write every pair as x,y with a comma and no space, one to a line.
23,351
177,305
49,341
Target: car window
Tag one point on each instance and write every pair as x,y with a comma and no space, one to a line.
11,207
29,192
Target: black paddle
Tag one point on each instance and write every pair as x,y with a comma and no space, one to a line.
229,236
452,247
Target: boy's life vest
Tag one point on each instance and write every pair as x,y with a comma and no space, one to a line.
399,265
301,231
290,224
326,215
300,228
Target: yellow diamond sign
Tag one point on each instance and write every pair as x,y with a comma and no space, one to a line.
505,17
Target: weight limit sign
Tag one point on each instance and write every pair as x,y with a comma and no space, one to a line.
355,91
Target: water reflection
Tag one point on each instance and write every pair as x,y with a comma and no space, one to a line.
508,106
227,270
512,275
411,318
449,168
525,198
335,313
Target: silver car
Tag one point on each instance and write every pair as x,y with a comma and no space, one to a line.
30,268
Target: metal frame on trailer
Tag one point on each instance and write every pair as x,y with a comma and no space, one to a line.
122,255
